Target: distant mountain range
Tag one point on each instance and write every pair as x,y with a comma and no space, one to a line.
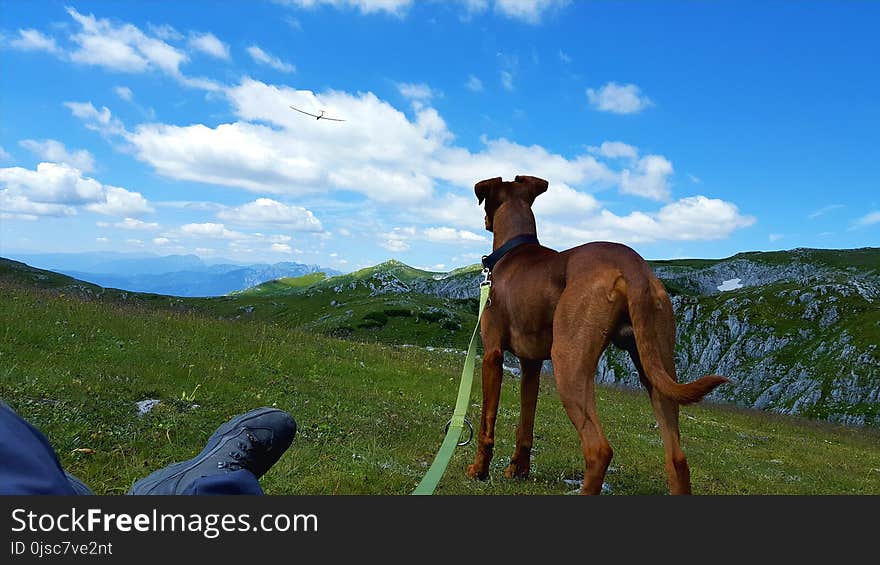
175,275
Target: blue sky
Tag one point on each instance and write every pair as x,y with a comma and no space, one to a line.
684,129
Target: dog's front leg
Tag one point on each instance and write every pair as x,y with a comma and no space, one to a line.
492,373
520,463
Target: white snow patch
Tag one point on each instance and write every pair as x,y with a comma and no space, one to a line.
730,284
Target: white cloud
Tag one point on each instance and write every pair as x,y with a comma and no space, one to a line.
124,92
378,152
406,163
121,47
695,218
18,206
775,237
281,248
399,238
101,121
383,185
4,155
564,57
211,230
268,211
452,235
54,151
209,44
507,80
56,189
460,211
825,210
239,242
396,245
416,91
34,40
248,156
528,11
102,240
868,220
165,31
264,58
392,7
191,205
563,201
508,69
615,150
474,84
161,241
121,202
52,183
135,224
649,179
501,157
618,98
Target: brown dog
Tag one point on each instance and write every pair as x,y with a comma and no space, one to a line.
567,306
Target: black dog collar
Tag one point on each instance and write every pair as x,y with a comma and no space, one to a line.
489,261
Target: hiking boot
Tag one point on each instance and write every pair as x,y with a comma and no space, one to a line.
253,441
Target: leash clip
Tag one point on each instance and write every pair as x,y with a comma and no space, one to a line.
486,274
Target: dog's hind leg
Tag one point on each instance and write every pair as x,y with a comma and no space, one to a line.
520,462
678,474
578,342
493,360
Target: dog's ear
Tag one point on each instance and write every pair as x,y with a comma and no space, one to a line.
534,185
481,189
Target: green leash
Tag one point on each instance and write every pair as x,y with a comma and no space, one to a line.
456,425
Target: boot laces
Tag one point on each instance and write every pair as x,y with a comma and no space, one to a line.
240,455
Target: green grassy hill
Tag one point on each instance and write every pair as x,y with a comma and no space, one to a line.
283,285
373,304
74,360
867,258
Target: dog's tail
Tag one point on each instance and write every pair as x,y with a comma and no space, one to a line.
650,308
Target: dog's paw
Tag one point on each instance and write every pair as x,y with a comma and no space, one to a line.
477,472
516,471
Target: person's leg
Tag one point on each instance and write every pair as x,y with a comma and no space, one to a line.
28,464
235,457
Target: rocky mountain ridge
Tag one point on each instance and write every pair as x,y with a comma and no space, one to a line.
796,332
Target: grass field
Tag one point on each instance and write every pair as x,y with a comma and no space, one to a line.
371,416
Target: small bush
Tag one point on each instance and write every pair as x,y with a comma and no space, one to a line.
432,316
398,312
378,317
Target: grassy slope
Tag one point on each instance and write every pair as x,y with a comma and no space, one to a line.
307,302
312,303
371,415
282,285
865,258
